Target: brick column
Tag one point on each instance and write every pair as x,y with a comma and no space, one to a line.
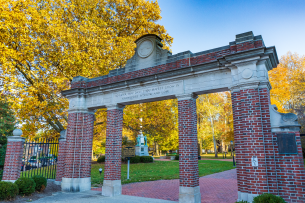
60,168
287,167
189,190
238,141
252,133
77,169
13,157
112,176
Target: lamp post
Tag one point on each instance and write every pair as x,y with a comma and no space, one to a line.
100,170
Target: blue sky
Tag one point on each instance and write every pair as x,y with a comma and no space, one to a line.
199,25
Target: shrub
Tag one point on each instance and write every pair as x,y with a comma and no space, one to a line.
1,174
26,185
242,201
135,159
177,157
146,159
41,183
268,198
101,159
8,190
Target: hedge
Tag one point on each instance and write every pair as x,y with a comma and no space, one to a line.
101,159
146,159
41,183
26,185
8,190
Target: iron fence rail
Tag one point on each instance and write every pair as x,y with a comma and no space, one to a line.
40,158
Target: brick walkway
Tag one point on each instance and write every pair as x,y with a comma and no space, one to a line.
215,188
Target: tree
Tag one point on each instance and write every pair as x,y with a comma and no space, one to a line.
45,43
209,108
7,123
157,120
288,86
215,120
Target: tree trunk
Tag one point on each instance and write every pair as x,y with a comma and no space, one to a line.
200,147
157,149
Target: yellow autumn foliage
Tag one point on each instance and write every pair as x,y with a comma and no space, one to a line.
288,86
45,43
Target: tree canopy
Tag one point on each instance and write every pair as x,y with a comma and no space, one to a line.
45,43
288,86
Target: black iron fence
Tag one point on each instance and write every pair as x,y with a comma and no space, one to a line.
40,158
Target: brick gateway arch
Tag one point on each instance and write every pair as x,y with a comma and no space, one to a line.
268,148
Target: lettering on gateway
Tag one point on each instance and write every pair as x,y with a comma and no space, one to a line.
146,93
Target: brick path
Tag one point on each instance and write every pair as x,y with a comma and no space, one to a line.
216,188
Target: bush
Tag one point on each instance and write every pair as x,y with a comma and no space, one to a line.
177,157
8,190
135,159
101,159
26,185
1,174
268,198
242,201
146,159
41,183
3,145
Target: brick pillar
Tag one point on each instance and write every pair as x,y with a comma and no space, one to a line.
189,190
13,157
288,170
60,168
238,141
252,131
77,169
112,176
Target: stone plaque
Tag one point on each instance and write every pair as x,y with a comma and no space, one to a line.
254,161
287,143
128,152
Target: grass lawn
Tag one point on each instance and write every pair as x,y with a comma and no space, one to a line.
48,172
212,156
159,170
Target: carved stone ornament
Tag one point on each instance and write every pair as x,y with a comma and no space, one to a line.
290,117
247,73
145,48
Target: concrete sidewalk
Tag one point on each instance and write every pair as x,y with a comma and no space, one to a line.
96,197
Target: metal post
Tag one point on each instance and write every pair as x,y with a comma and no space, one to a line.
128,168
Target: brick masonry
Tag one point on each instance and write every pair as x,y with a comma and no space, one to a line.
251,126
78,149
61,160
282,175
13,160
196,60
113,144
188,149
290,172
238,139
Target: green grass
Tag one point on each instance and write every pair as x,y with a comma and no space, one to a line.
159,170
212,156
49,171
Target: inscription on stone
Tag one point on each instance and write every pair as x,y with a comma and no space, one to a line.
287,143
150,92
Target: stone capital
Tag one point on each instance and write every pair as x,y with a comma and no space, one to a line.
115,106
186,96
15,139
